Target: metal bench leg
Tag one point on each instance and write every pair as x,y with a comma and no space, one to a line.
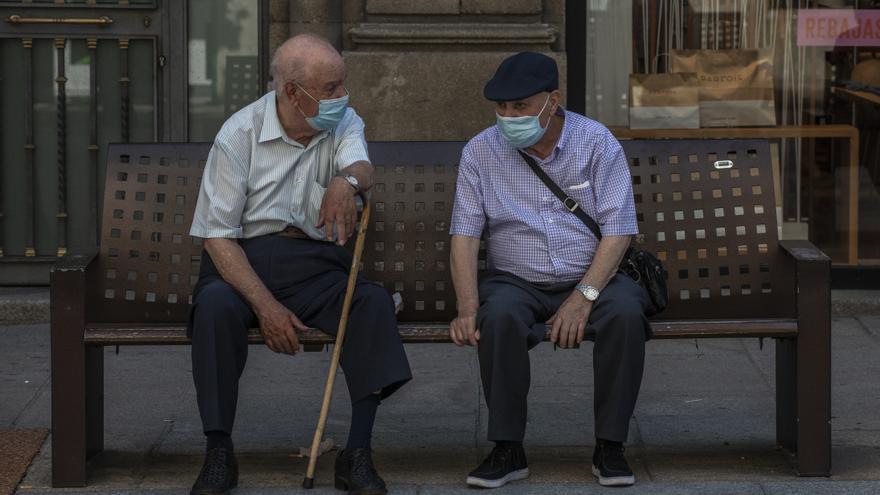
786,394
94,400
68,379
814,369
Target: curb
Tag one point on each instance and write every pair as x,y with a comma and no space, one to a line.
22,305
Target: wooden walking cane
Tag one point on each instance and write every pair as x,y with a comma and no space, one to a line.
309,481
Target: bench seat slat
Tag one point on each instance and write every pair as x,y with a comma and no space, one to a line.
438,333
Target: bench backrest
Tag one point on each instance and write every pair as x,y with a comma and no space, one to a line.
714,229
148,263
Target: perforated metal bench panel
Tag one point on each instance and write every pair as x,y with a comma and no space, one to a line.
714,229
408,243
148,263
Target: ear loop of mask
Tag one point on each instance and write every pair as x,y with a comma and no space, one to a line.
310,96
317,101
549,117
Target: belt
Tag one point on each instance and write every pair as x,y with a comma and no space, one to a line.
293,233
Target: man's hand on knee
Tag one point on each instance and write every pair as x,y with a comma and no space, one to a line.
570,321
463,330
278,326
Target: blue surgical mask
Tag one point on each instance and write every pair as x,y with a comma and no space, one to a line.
522,132
330,112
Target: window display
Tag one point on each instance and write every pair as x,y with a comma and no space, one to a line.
803,73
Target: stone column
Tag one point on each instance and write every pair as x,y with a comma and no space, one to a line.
279,24
321,17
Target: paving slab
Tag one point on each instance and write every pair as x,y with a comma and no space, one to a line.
821,488
870,323
855,364
24,376
693,488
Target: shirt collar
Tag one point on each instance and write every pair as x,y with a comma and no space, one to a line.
561,141
272,128
563,136
271,125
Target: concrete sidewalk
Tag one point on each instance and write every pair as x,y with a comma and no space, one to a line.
704,423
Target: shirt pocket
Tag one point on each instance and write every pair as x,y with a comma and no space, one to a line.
583,185
581,191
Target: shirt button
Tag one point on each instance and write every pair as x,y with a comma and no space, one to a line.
299,180
550,221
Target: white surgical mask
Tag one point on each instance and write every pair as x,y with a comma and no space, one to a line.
522,132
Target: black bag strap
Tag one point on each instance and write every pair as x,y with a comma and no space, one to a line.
567,200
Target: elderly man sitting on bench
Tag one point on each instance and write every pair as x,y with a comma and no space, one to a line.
545,265
275,208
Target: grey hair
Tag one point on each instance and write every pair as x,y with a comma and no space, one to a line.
291,59
292,69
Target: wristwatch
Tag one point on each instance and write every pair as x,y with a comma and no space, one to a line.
589,292
352,181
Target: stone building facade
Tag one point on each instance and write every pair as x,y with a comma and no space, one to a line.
416,68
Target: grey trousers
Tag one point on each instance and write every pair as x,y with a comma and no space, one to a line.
511,322
309,278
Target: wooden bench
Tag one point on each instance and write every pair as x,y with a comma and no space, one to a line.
715,230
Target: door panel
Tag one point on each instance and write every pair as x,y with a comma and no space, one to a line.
76,75
15,189
68,90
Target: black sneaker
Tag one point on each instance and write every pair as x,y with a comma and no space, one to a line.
610,466
219,473
503,465
356,474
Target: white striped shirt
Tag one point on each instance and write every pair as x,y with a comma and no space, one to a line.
258,181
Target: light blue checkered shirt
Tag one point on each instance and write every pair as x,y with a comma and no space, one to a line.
529,231
258,181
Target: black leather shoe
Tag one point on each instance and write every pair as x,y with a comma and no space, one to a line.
504,464
610,466
219,473
356,474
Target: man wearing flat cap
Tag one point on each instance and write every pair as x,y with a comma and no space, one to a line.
546,269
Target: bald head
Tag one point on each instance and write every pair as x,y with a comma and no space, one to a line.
302,58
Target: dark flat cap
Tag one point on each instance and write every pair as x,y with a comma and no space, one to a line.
522,75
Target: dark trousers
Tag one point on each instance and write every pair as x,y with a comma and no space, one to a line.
511,321
309,278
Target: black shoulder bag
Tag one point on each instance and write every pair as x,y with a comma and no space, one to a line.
640,265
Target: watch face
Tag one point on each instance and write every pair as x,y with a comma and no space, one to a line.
592,293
